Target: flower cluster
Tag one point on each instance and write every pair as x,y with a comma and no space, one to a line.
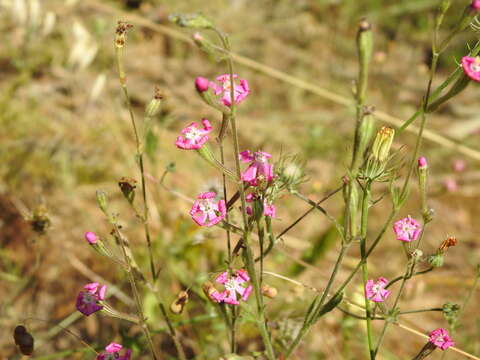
407,229
233,285
206,211
89,300
376,291
112,352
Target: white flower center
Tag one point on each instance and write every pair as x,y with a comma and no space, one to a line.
376,288
260,158
89,298
193,134
205,205
231,285
475,66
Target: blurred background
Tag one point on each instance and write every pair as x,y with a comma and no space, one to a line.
65,133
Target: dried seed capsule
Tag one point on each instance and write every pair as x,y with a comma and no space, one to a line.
23,340
177,306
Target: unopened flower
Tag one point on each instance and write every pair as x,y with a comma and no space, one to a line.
222,89
407,229
91,237
202,84
475,5
376,291
269,291
471,66
382,144
233,287
259,168
194,137
112,352
440,338
207,212
89,300
268,208
422,163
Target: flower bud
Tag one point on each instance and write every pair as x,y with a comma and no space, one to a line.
436,260
269,291
154,106
91,237
383,142
201,84
102,200
365,46
193,21
178,305
422,163
475,5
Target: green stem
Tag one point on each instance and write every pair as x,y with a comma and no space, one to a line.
363,249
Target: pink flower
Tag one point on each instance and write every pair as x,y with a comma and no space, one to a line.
376,290
475,5
422,162
233,286
201,84
193,138
89,300
471,66
240,91
407,229
450,184
91,237
112,352
259,168
459,165
440,338
207,212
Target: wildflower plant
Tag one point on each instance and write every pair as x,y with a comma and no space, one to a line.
251,195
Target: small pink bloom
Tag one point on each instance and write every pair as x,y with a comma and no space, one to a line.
440,338
233,286
201,84
459,165
422,162
471,66
407,229
376,290
193,137
259,168
112,352
91,237
450,184
475,5
207,212
240,91
89,300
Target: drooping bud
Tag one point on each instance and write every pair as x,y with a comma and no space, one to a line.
475,5
128,186
178,305
422,184
269,291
